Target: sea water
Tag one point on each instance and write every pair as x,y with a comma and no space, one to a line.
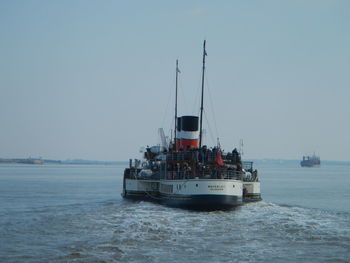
62,213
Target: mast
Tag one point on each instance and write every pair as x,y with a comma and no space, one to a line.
201,119
177,72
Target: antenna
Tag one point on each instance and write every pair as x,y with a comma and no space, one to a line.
162,138
241,147
218,143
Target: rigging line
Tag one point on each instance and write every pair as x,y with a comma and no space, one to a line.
212,106
166,109
182,93
210,131
172,125
196,104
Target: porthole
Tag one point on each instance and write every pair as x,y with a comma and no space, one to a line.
196,185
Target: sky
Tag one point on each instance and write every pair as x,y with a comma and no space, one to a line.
96,79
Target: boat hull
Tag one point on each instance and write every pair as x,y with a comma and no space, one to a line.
143,190
252,198
142,196
202,202
195,194
251,192
306,164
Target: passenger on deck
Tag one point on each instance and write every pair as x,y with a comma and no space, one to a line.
235,156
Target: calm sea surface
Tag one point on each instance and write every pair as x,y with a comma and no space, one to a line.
76,214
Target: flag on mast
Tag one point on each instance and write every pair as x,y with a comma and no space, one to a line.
219,160
177,66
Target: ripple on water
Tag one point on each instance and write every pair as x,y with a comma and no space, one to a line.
148,232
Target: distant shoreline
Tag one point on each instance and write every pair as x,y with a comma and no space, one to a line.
39,161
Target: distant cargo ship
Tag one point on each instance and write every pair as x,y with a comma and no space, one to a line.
310,161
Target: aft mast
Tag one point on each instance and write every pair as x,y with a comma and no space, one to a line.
177,74
201,119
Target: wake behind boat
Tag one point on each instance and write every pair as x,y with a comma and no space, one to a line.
185,173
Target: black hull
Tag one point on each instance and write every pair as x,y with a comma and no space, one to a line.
194,202
252,198
203,202
142,196
309,165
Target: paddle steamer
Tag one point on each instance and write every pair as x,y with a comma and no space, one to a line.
185,173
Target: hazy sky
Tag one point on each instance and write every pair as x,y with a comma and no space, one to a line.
95,79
